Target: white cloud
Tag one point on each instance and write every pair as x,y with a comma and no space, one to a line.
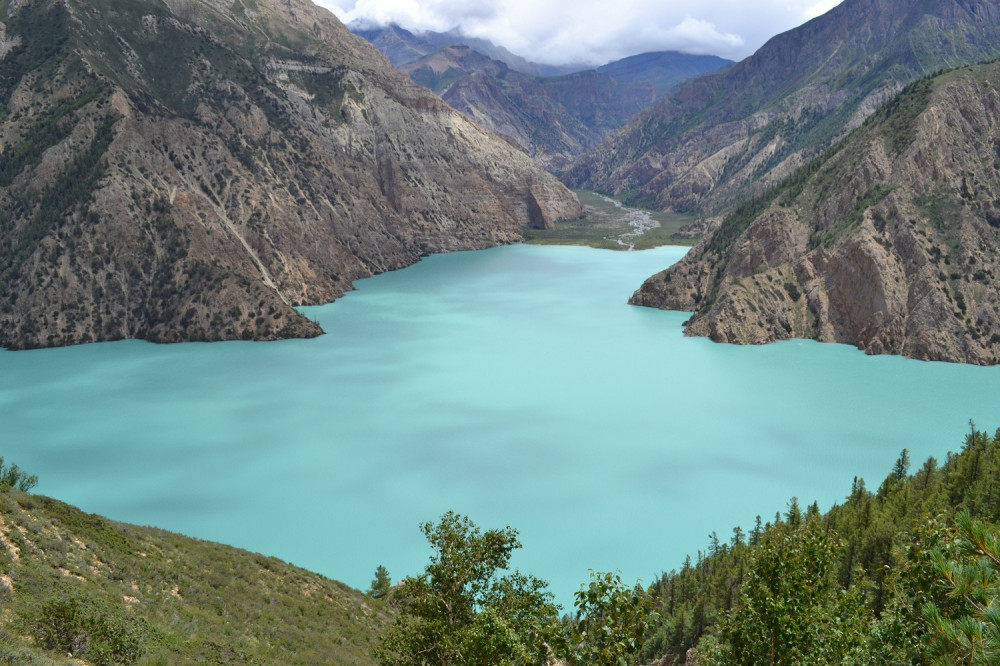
596,31
819,8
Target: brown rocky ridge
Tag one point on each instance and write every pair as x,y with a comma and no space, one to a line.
889,241
738,132
191,170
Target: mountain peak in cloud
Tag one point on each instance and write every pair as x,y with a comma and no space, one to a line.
593,32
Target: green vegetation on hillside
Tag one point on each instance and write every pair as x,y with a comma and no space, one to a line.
464,610
608,226
854,585
888,577
112,593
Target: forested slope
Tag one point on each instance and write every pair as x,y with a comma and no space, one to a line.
867,582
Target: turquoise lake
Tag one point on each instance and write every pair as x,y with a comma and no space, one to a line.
513,385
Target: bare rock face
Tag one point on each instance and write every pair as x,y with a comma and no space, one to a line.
555,119
889,242
744,129
193,171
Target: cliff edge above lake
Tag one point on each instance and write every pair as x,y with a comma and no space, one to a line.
889,241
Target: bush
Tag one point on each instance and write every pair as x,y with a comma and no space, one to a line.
90,629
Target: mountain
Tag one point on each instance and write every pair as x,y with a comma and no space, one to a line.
191,170
398,44
554,119
113,593
662,69
403,47
889,241
740,130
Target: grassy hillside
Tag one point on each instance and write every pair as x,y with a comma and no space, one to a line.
116,593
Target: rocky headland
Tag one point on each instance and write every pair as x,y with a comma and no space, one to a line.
888,241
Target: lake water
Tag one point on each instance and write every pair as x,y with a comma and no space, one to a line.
513,385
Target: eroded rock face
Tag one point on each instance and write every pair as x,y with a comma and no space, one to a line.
739,131
194,172
891,243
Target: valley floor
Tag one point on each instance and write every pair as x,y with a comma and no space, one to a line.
609,224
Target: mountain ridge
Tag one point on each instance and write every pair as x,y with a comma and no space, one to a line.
703,147
403,47
889,241
555,118
245,157
552,119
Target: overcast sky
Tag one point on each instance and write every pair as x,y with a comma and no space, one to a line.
596,31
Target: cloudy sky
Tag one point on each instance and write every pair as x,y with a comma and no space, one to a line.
596,31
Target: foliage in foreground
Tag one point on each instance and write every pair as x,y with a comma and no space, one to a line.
971,636
909,574
885,578
464,610
11,476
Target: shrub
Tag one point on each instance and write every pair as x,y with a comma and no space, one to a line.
90,629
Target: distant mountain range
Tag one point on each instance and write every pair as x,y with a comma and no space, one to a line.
193,170
742,129
555,118
402,47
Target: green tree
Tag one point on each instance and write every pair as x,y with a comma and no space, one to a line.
381,584
791,609
461,611
13,477
612,620
972,635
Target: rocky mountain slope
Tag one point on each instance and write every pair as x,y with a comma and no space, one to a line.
538,114
889,241
191,170
741,130
555,119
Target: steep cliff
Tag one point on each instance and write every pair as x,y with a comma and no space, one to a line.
741,130
192,170
889,241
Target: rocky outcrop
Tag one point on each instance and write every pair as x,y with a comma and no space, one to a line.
742,130
890,241
196,169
